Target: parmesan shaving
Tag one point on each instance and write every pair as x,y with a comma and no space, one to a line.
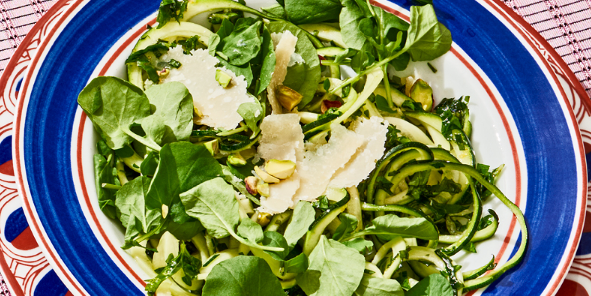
282,139
320,164
359,167
218,105
284,49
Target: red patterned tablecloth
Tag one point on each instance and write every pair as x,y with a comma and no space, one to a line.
565,24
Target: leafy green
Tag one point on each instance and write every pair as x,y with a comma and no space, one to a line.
303,216
149,165
361,245
375,286
183,261
170,9
173,118
306,82
268,64
133,210
242,275
214,204
391,225
215,41
275,239
276,11
244,43
427,38
334,270
113,104
347,226
104,173
297,264
312,11
250,230
244,70
433,285
252,114
349,19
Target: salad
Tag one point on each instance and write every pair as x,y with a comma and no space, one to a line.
280,152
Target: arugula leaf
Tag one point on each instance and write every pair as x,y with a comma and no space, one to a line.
183,261
427,38
334,270
306,81
242,275
104,173
252,113
215,41
244,43
250,230
391,225
170,9
312,11
297,264
347,226
113,104
268,66
376,286
214,204
275,239
173,118
303,216
433,285
361,245
133,210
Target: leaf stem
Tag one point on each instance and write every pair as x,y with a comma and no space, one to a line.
142,140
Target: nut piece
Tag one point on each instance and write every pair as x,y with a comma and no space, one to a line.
251,184
236,159
422,93
281,169
265,176
288,97
223,78
213,146
263,189
263,219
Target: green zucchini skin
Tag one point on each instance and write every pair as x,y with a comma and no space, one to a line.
317,228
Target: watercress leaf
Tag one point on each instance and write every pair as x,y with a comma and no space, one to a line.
103,173
427,38
244,43
401,62
173,114
382,104
182,166
250,230
433,285
252,113
242,275
297,264
186,230
303,216
275,239
349,19
245,70
376,286
391,225
113,104
312,11
268,66
149,165
361,245
183,261
341,269
306,81
131,205
214,204
347,226
367,26
275,11
389,21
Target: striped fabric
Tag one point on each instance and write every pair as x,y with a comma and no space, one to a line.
566,24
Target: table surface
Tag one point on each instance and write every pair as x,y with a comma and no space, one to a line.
565,24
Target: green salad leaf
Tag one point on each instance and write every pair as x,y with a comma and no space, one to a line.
303,216
376,286
433,285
